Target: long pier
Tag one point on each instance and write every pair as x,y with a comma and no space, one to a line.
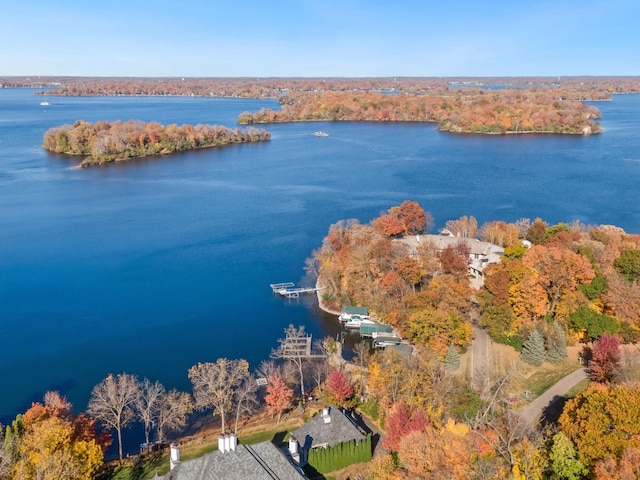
289,290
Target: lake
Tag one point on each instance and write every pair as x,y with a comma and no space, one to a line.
153,265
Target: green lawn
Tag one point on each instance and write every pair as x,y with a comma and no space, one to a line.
542,380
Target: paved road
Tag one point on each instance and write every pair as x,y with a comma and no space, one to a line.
532,412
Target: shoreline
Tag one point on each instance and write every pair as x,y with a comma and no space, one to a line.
321,304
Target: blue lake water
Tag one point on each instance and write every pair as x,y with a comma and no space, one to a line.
153,265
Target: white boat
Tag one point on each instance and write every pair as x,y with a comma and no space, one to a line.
321,134
345,317
45,104
355,322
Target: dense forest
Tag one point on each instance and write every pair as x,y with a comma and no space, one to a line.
462,110
103,142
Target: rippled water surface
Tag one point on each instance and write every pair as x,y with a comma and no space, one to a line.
153,265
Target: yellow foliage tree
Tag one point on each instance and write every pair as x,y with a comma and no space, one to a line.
48,451
603,422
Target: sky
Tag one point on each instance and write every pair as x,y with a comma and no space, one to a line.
310,38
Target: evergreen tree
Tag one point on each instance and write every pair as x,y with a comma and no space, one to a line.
556,345
533,349
452,359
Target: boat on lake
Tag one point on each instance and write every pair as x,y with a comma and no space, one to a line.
45,104
356,322
321,134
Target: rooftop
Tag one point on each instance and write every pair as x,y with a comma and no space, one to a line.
320,431
262,461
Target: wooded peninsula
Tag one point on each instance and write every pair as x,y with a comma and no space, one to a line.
103,142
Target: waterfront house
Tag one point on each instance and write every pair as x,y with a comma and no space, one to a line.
233,461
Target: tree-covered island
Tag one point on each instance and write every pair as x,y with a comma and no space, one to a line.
508,111
103,142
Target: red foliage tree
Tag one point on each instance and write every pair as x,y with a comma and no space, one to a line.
339,388
399,422
278,397
605,358
452,262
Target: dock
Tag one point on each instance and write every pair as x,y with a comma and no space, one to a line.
289,290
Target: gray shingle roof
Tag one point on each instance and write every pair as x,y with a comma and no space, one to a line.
317,432
262,461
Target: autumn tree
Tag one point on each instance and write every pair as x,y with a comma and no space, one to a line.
558,270
437,453
499,233
339,388
605,358
50,442
214,385
399,422
537,230
388,224
565,463
602,422
412,216
113,403
464,227
452,262
278,397
409,269
627,468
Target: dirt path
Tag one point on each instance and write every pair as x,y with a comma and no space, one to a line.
480,359
532,412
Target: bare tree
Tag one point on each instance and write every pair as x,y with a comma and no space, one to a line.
113,403
295,348
269,368
319,371
508,428
174,409
362,353
246,399
148,404
214,384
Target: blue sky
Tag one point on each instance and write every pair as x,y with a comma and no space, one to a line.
308,38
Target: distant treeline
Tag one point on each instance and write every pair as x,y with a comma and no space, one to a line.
103,142
468,110
570,88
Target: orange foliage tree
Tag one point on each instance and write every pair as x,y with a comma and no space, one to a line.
278,397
